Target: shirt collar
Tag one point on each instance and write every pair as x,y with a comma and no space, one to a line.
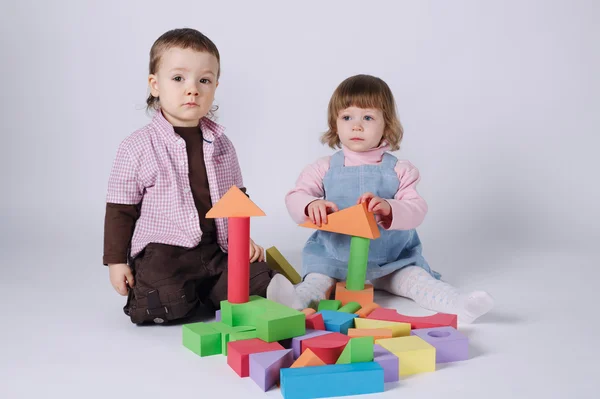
372,156
211,130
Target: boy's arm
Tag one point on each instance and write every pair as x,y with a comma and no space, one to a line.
309,187
122,206
408,207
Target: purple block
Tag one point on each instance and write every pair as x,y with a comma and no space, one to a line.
218,315
450,344
265,366
388,361
297,341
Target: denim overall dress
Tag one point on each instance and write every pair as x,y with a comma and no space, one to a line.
328,253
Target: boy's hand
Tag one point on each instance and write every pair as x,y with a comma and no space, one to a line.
121,277
375,204
317,211
257,253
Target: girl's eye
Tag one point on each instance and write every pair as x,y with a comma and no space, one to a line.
346,117
204,81
368,118
177,78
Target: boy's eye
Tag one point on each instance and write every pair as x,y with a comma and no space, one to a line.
204,81
177,78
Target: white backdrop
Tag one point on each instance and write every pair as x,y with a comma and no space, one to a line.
499,101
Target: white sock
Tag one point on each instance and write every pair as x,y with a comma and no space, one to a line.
415,283
313,288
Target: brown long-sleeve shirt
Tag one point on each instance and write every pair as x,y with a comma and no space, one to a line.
120,219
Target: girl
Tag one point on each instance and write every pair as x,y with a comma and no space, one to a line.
362,121
160,248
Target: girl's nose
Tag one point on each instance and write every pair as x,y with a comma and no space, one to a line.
357,127
192,92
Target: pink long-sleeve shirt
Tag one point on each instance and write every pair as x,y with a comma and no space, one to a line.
408,207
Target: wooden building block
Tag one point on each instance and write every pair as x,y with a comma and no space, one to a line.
201,339
308,359
328,347
414,354
436,320
277,262
238,353
450,345
398,329
376,333
363,297
265,367
315,322
338,321
366,310
357,350
329,304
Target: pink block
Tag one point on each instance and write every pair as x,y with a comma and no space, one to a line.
436,320
297,341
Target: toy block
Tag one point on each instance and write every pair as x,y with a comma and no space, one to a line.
332,380
297,341
450,345
315,322
357,350
398,329
363,297
309,311
338,321
265,367
234,204
350,307
357,263
436,320
239,352
226,331
218,315
414,354
376,333
352,221
308,359
366,310
277,262
201,339
328,347
273,321
329,304
388,361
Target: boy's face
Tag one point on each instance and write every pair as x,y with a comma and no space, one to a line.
185,81
360,129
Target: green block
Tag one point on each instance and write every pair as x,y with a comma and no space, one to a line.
329,304
350,307
357,350
357,265
201,339
273,321
226,332
276,261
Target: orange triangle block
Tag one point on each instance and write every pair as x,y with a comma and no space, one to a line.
234,204
353,221
308,359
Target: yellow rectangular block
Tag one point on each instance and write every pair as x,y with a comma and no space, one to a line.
398,329
277,262
414,354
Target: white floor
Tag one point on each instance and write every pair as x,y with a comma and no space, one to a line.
65,335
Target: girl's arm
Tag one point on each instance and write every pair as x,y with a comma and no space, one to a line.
309,187
408,207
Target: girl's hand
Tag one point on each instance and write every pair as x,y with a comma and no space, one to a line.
375,204
317,211
257,253
121,277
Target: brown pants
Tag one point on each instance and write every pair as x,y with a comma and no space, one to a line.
171,282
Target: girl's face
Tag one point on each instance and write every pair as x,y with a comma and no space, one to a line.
360,129
186,81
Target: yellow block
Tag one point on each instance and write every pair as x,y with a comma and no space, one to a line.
414,354
277,262
398,329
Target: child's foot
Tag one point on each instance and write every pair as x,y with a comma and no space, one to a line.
281,290
475,305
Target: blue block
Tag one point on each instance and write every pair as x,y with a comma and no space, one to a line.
338,321
331,380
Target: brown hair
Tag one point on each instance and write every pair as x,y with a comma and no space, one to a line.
182,38
364,91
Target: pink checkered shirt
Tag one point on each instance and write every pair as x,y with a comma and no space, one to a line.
151,167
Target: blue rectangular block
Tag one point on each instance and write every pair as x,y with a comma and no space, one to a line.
331,380
338,321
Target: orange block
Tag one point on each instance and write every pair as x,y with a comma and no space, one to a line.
352,221
364,297
366,310
309,311
307,359
376,333
234,204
